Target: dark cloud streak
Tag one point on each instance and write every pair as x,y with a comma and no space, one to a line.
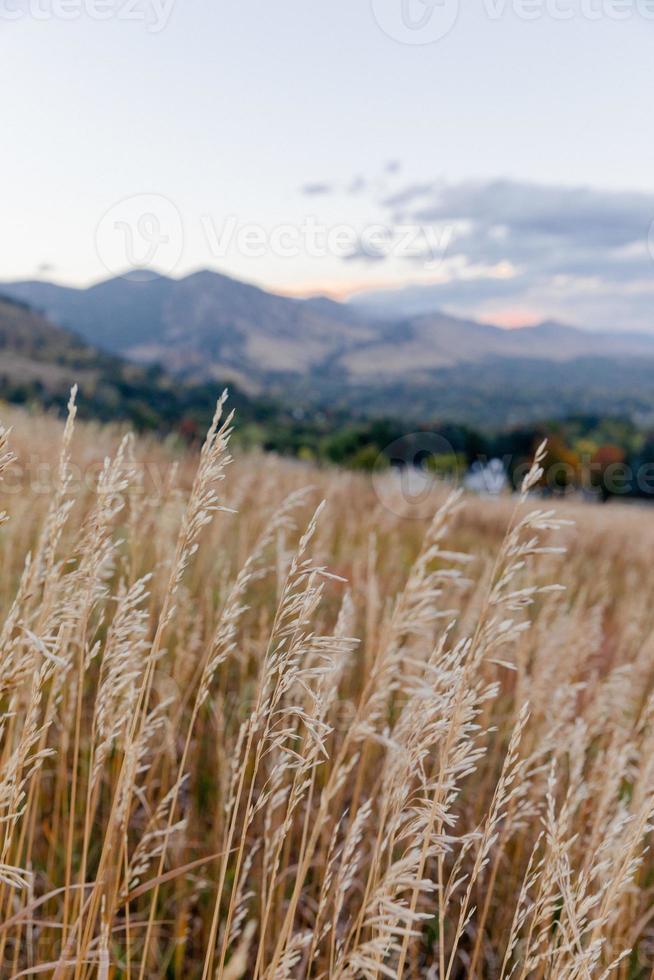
317,189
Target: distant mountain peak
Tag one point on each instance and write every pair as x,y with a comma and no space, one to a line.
143,275
205,273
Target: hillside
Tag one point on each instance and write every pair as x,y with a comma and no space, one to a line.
437,341
208,324
39,362
203,326
208,327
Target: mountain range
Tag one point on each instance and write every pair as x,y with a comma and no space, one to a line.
209,327
40,362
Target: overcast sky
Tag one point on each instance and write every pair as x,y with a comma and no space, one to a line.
499,157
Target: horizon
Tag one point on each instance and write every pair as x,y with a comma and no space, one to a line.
131,276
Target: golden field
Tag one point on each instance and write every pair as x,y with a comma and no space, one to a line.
248,734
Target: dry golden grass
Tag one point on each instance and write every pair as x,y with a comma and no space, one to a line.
243,735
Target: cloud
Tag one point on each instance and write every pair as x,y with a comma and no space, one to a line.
540,213
576,252
407,195
358,185
317,189
372,183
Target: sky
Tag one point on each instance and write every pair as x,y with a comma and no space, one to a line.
493,158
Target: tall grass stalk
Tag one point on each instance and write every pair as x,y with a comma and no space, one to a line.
244,734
